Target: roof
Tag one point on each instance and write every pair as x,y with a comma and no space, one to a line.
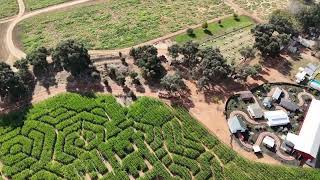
256,148
301,76
309,71
292,138
276,118
255,111
315,85
289,105
308,140
246,95
277,93
235,125
269,141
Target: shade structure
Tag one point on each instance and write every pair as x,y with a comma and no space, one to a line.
276,118
308,140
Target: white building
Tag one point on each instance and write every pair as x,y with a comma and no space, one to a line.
277,93
276,118
308,140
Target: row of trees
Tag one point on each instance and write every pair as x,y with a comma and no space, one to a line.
69,55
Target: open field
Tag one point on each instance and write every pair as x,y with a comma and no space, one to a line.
262,8
229,37
73,136
8,8
215,30
36,4
117,24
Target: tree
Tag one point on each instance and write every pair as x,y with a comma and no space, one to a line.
309,18
189,51
247,52
268,41
72,56
11,85
205,25
212,68
190,32
174,51
172,83
146,57
243,72
38,58
283,22
236,17
21,64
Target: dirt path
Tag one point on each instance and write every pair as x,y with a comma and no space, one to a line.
301,100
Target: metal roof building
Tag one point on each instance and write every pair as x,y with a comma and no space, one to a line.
308,140
236,125
276,118
289,105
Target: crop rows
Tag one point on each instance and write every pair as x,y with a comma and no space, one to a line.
72,136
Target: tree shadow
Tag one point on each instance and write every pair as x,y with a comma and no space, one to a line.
208,32
279,63
84,84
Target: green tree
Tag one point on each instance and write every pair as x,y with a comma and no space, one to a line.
72,56
309,18
190,32
172,83
38,58
247,52
205,25
11,86
283,22
189,51
146,58
174,51
212,68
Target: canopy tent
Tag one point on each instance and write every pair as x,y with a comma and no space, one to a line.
301,76
277,93
308,140
236,125
256,148
269,141
276,118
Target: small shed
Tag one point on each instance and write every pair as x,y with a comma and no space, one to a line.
269,142
310,69
276,118
301,76
277,93
256,148
246,96
289,105
267,102
236,125
255,111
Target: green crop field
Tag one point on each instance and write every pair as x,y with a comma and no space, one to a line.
117,24
75,137
36,4
8,8
214,29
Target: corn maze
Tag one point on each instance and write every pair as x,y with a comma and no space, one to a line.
79,137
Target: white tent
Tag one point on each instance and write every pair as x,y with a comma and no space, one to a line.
300,76
235,125
268,141
277,93
308,140
256,148
276,118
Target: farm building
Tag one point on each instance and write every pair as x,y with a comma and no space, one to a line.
236,125
289,105
276,118
255,111
308,141
246,96
277,93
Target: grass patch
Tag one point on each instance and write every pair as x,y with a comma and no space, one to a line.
38,4
117,24
8,8
317,77
70,136
215,29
